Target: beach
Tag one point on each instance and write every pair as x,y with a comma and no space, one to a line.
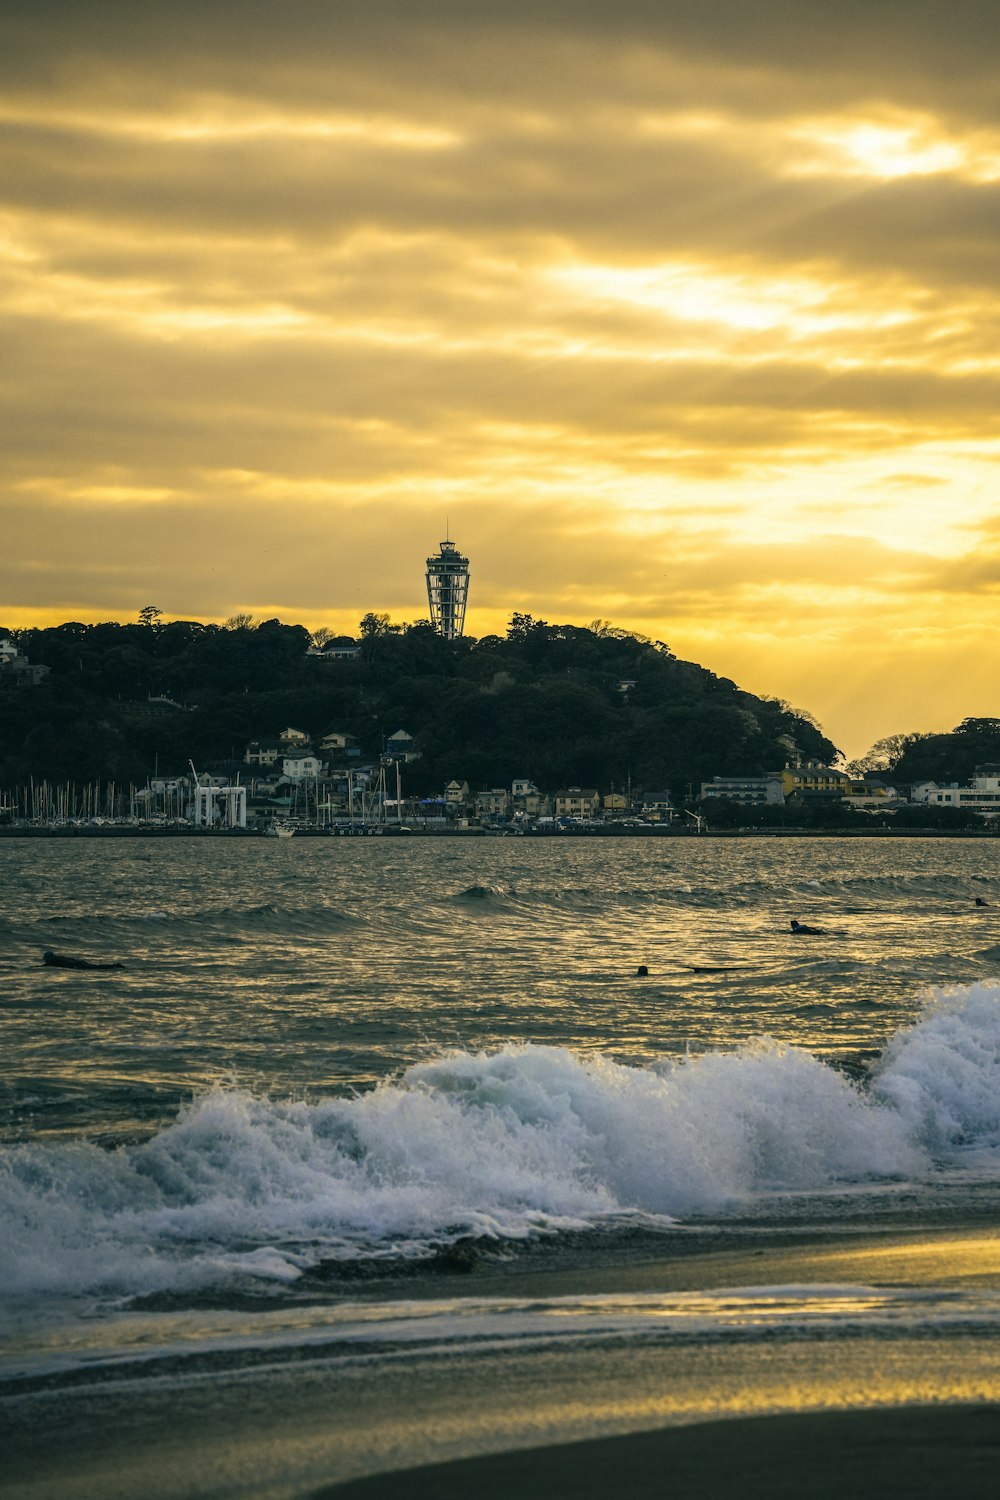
913,1451
380,1171
789,1408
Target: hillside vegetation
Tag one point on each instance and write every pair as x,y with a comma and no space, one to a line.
561,704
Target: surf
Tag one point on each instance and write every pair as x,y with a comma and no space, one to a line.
505,1145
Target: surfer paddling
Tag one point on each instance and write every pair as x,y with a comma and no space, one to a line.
800,929
67,961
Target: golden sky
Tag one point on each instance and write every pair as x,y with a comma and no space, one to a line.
682,315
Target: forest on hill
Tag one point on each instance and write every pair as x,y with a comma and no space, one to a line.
565,705
561,704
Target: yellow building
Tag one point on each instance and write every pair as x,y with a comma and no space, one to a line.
814,782
576,802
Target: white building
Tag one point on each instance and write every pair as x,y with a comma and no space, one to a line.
980,795
301,767
752,791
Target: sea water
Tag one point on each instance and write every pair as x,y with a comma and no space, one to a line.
329,1064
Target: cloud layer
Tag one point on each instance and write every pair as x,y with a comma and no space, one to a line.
682,315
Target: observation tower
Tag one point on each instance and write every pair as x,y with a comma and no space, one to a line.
448,590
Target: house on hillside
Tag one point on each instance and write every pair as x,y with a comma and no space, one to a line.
263,753
401,746
341,745
341,648
16,670
301,767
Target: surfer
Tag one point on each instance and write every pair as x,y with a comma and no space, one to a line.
641,972
981,902
801,930
66,961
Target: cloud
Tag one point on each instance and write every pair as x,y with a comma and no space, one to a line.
686,315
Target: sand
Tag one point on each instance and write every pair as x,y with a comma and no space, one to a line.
914,1452
809,1416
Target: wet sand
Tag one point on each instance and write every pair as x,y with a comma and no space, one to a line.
805,1415
915,1452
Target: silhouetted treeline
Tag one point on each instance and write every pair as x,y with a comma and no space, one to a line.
949,757
561,704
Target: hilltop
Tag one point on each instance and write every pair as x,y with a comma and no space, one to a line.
561,704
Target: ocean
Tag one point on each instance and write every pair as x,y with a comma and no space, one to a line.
401,1119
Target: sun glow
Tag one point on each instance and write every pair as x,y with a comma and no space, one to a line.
907,146
745,302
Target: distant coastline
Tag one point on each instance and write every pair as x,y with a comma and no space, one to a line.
600,832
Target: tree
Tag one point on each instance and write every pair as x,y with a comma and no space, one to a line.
544,702
522,626
150,616
240,622
885,754
373,625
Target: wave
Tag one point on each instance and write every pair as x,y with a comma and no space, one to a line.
149,924
943,1076
484,892
509,1144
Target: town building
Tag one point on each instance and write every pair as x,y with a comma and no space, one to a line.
576,802
341,648
401,746
301,767
814,782
873,793
980,795
526,800
493,805
336,742
263,753
750,791
16,670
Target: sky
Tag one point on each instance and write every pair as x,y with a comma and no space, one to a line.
682,316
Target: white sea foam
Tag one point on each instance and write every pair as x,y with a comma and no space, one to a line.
943,1075
509,1143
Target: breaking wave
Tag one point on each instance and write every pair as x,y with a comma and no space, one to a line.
506,1144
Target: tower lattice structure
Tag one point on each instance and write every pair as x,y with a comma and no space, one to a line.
448,590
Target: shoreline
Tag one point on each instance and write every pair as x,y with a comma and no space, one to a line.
760,1418
390,831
